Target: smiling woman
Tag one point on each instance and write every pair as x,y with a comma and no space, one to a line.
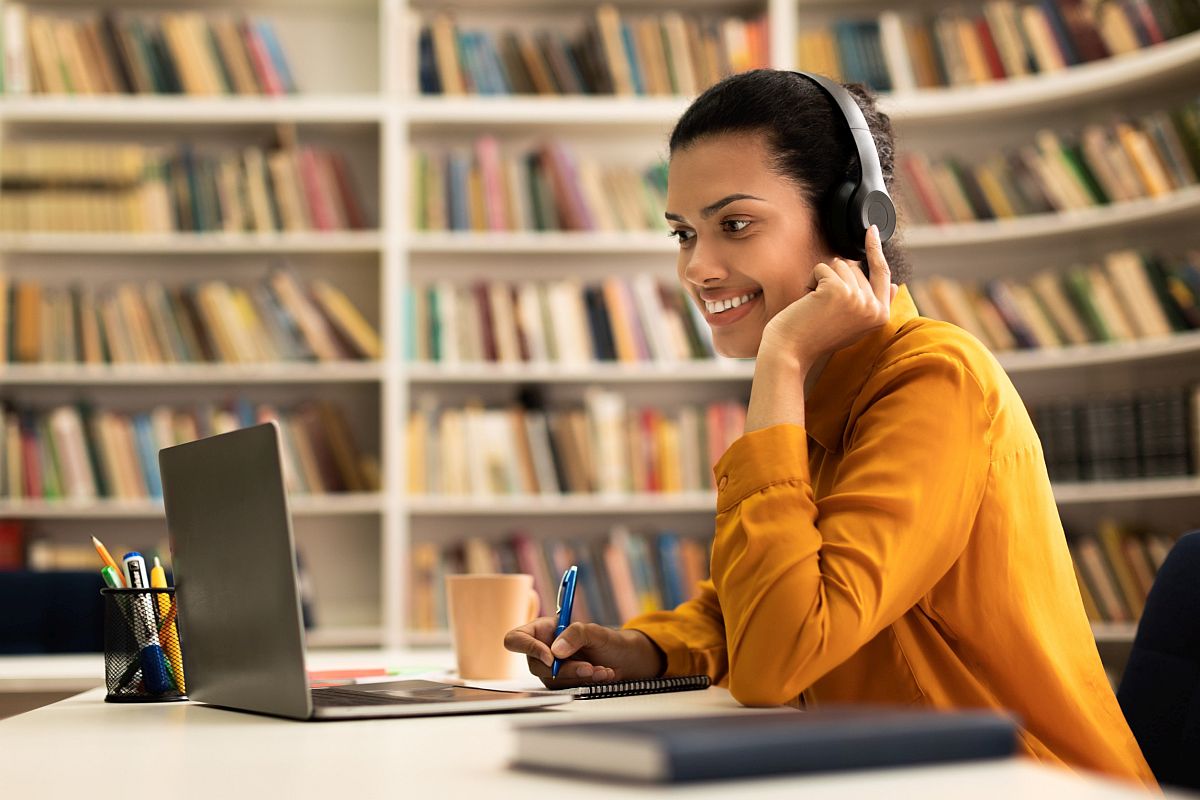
885,532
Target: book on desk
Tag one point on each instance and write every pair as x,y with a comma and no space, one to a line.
772,742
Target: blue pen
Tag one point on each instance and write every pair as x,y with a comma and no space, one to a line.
566,602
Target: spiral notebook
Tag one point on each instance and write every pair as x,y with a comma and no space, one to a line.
679,683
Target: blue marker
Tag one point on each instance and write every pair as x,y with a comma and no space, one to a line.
145,630
566,602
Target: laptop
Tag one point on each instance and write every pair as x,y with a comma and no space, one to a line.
239,604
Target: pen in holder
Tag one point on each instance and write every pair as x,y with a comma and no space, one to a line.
142,660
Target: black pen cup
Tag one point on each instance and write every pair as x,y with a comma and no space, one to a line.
142,659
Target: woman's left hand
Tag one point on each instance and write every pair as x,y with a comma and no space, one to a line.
840,308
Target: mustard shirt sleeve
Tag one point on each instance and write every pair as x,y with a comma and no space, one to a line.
692,635
803,585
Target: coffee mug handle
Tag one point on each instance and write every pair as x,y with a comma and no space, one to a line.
535,605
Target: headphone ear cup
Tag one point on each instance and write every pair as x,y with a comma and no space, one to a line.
846,237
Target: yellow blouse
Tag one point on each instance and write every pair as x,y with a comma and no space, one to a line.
904,549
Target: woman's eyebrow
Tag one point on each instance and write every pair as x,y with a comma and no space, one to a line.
713,208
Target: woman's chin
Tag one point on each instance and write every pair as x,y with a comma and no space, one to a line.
735,346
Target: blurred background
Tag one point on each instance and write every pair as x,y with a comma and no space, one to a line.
428,239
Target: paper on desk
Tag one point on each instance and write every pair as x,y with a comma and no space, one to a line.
526,683
345,677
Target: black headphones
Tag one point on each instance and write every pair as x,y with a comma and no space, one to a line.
851,208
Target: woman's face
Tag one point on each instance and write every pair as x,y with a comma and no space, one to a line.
748,241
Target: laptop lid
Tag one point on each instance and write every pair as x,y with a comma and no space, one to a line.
233,553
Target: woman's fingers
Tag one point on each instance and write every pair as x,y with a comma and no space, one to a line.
529,639
881,273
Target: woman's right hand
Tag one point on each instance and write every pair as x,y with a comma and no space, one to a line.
588,653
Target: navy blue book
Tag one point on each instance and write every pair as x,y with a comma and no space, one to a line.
773,742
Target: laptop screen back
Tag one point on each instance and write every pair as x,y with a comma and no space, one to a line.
235,576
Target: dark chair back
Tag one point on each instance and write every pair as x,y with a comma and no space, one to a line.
1160,690
51,612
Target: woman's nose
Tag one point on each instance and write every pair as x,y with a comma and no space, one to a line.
703,266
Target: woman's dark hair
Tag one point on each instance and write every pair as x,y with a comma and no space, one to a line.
804,130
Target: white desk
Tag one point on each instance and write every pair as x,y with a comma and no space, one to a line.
81,746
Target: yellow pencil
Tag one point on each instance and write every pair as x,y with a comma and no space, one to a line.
108,560
170,636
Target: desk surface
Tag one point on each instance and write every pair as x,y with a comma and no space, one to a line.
74,747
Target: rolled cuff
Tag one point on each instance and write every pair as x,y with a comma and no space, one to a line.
778,454
679,656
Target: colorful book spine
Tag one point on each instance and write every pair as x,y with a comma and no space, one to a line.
133,188
1128,295
566,321
670,53
277,320
82,453
604,447
144,53
668,567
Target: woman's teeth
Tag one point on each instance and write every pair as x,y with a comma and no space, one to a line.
717,306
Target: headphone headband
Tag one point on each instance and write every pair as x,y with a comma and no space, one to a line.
856,205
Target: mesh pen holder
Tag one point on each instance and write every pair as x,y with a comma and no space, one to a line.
142,659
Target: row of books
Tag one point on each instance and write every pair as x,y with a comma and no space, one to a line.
1152,156
23,546
1126,296
671,53
549,188
603,447
182,52
55,186
621,575
1145,434
78,452
145,322
566,321
1115,568
624,574
1001,39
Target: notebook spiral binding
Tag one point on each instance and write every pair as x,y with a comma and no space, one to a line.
682,683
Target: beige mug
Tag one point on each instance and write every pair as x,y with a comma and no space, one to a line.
482,609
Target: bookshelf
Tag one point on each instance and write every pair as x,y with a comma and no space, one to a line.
363,98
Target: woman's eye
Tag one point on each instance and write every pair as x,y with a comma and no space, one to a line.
680,235
735,225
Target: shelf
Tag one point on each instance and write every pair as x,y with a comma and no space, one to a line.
331,505
701,371
179,110
361,636
1183,205
1092,355
551,505
1015,363
207,243
1127,490
188,374
1086,83
1114,632
552,242
1161,65
704,502
1034,228
489,111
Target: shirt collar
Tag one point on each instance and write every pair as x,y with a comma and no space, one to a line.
827,406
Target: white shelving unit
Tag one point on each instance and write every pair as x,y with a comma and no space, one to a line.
357,61
333,243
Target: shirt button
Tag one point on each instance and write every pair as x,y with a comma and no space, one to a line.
721,483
